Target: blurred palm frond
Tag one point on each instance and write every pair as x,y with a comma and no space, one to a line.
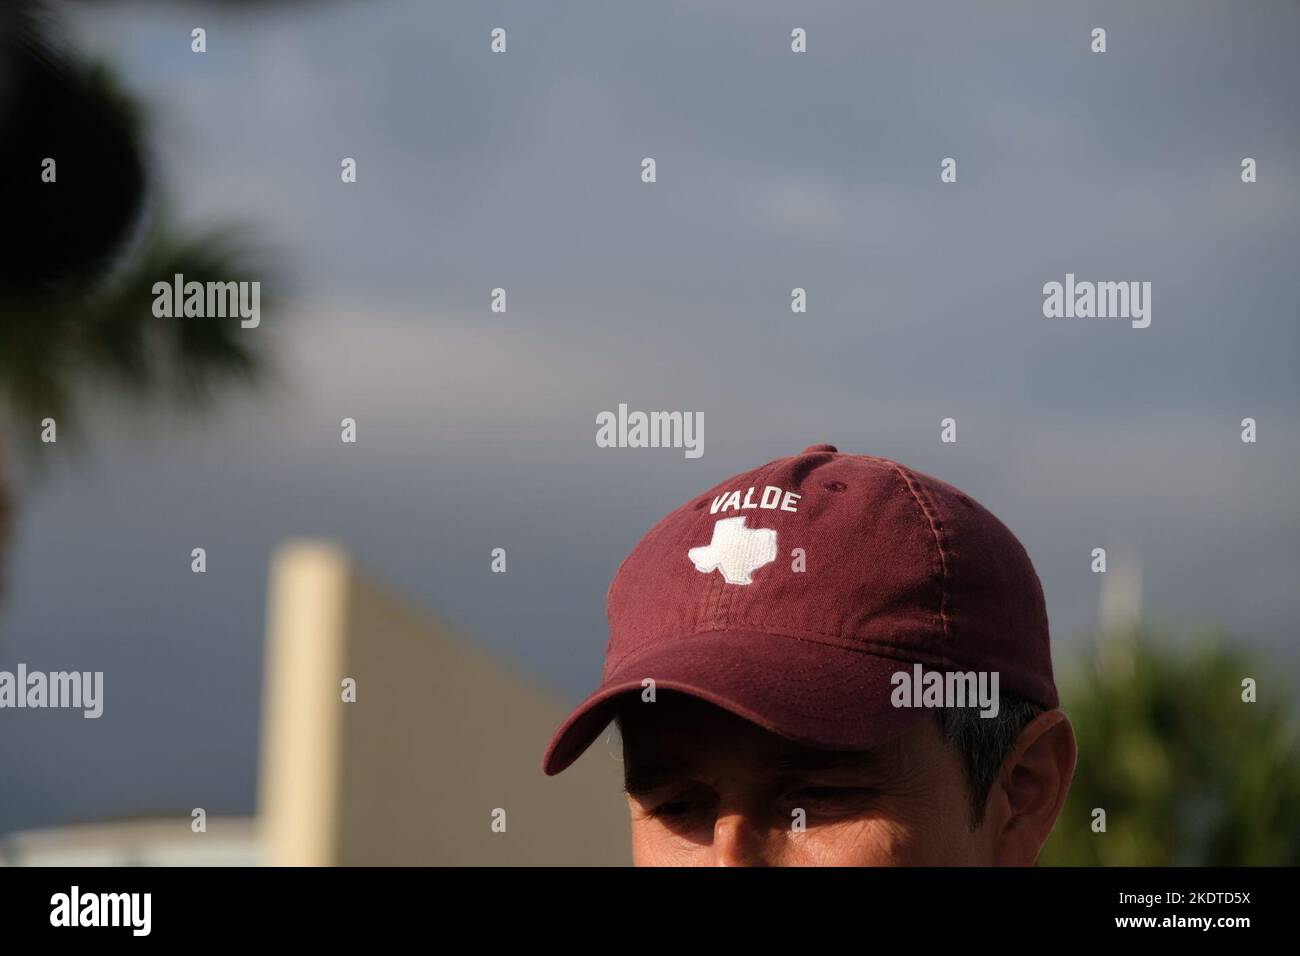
1186,771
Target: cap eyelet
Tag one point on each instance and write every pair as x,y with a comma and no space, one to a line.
835,486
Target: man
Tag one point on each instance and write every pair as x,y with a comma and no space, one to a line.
830,660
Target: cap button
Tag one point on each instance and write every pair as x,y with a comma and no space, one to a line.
814,449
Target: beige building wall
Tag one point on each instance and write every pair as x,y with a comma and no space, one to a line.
439,737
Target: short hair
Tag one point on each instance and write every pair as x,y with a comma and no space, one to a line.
984,742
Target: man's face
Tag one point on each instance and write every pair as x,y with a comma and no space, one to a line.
707,788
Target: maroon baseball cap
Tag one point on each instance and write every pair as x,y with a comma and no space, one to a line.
791,594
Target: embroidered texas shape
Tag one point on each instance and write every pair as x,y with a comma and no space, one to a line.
735,550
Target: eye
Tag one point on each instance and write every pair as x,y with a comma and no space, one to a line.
829,800
681,805
673,809
684,807
825,793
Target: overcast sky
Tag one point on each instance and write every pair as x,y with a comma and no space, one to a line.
775,170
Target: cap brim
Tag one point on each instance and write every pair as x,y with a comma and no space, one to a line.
811,693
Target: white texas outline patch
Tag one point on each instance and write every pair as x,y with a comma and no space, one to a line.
735,550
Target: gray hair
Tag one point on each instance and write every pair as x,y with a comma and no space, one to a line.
984,742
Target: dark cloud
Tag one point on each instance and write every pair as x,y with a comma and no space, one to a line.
774,171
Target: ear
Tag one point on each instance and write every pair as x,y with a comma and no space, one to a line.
1032,786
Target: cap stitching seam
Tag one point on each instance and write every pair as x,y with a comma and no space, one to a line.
938,544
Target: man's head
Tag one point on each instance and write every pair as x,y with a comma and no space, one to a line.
840,631
707,788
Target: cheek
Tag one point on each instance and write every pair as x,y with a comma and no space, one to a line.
927,840
927,828
656,845
868,842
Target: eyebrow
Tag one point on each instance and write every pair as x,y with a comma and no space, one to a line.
644,778
813,761
639,779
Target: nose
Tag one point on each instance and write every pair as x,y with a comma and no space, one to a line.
737,841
